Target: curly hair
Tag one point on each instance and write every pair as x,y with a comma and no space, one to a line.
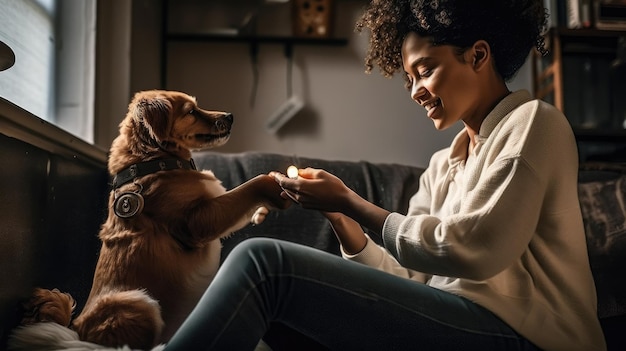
511,27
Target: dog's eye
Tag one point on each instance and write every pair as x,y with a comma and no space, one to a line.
192,112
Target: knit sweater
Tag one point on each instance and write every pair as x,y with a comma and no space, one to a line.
502,227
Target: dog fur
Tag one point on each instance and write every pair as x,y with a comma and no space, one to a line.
153,267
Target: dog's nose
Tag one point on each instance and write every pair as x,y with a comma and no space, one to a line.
224,122
229,117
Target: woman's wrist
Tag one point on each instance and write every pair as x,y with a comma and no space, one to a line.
366,213
348,231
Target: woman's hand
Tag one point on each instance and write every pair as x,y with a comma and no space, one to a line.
316,189
319,190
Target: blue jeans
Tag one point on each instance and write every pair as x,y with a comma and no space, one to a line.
341,304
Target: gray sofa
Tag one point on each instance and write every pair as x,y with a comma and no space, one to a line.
56,204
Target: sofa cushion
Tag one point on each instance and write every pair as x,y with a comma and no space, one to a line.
602,195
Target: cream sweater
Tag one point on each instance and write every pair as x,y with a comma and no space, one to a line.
503,228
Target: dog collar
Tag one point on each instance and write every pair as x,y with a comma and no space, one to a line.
144,168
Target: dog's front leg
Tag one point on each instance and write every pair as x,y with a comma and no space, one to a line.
214,217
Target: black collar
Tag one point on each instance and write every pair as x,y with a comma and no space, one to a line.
144,168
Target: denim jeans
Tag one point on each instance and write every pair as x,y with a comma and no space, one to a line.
341,304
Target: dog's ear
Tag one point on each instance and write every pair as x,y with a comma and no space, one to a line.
154,114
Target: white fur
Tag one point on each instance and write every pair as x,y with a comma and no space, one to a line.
48,336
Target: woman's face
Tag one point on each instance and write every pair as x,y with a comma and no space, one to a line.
443,82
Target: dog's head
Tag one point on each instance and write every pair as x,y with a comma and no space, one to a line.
172,120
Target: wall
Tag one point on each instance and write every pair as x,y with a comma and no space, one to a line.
113,68
348,115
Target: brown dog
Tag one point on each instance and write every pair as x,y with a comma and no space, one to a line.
160,242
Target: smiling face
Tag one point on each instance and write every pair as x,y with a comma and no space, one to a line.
442,80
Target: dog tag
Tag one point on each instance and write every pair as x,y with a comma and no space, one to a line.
128,205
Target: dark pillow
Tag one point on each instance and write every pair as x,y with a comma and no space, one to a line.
602,196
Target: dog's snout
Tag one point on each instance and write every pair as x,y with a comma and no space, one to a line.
225,122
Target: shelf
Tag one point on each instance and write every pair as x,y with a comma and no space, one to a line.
575,76
284,40
600,135
587,41
244,32
585,32
254,41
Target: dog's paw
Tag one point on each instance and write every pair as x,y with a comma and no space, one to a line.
48,306
259,215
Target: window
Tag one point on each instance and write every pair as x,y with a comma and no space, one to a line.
54,72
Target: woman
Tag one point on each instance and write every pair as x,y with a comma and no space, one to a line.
491,254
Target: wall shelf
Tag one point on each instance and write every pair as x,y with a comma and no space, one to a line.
601,135
225,21
251,39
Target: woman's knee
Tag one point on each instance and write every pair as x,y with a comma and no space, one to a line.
258,253
253,246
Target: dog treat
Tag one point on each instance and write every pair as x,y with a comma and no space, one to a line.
292,172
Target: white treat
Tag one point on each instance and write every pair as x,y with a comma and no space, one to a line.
292,172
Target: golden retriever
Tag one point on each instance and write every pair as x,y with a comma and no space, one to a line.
160,242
